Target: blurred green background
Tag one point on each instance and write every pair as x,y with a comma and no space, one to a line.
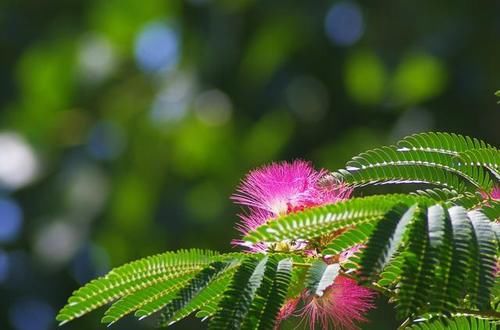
126,125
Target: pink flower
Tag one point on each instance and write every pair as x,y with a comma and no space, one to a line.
286,310
495,193
281,188
341,306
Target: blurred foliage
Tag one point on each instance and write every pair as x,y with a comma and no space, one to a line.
125,125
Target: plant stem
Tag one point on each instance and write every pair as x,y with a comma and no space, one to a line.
302,264
487,314
405,324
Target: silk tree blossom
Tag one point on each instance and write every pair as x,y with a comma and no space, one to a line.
495,193
287,310
282,188
342,305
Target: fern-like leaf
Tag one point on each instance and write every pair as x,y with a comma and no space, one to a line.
238,298
464,268
409,163
446,160
441,254
457,322
270,295
413,288
495,295
452,197
132,277
437,194
211,295
349,238
164,289
210,307
392,272
492,210
190,291
439,142
486,157
323,220
160,298
394,174
385,240
487,245
277,295
321,276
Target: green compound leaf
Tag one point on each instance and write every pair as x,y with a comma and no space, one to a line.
438,142
452,197
238,298
270,296
395,174
486,157
456,322
406,165
320,276
464,268
385,240
487,247
454,162
146,284
196,285
132,277
210,296
349,238
492,210
162,290
413,288
318,221
441,255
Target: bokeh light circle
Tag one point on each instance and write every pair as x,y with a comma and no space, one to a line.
157,47
11,218
344,23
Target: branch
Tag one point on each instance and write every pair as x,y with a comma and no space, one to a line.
301,264
486,314
405,324
373,286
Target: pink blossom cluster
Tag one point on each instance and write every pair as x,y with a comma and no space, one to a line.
342,305
495,193
280,189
